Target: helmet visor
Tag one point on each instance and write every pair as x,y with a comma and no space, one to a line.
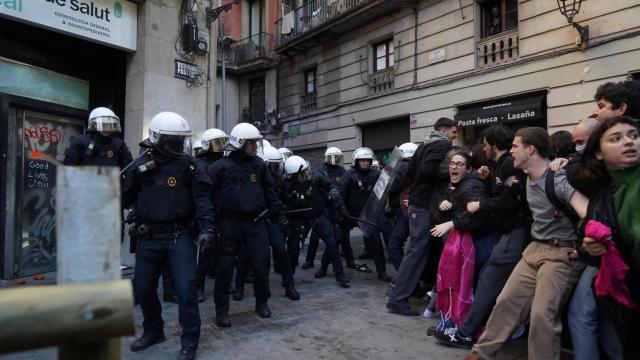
215,145
334,159
304,175
104,124
274,167
174,145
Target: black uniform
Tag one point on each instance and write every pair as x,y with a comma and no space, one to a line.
170,196
332,173
318,195
98,150
242,190
356,187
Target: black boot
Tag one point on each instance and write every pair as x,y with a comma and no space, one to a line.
238,294
147,340
384,277
352,264
263,310
291,292
307,265
187,354
222,319
322,272
343,280
168,298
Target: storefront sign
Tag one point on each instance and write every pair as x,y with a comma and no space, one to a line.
501,111
184,70
111,22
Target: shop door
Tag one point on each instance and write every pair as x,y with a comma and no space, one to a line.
43,140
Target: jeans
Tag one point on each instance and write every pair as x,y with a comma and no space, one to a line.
587,328
484,247
399,235
151,255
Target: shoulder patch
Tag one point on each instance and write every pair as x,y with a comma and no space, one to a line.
191,166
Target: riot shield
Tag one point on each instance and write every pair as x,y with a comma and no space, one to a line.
372,209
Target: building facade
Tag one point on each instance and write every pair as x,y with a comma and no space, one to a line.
378,73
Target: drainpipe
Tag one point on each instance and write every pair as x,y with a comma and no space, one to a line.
415,45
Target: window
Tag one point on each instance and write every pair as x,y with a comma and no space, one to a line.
310,81
499,16
384,55
255,20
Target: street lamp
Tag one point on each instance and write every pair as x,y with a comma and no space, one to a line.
569,9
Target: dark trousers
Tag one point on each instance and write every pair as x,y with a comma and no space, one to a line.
205,263
281,263
296,234
415,259
399,235
151,255
322,226
235,233
342,239
493,276
373,244
385,224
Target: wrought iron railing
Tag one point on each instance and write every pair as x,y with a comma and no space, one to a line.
254,116
259,46
309,102
498,49
381,82
311,15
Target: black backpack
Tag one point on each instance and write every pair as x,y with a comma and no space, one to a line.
566,209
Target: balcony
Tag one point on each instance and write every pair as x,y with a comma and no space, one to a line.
249,54
318,20
381,82
498,49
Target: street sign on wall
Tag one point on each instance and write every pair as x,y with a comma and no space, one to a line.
111,22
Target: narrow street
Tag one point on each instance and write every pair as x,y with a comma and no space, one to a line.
327,323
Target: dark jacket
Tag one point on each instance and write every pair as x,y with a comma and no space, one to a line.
507,205
573,170
355,188
423,168
441,191
97,150
398,184
470,188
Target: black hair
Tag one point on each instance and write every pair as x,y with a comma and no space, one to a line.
561,145
591,166
624,92
500,136
444,123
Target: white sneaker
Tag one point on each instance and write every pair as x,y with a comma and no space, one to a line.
430,313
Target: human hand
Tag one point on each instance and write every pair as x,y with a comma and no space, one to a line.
593,247
441,229
557,164
473,206
445,205
484,172
512,180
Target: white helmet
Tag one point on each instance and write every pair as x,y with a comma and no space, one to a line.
295,164
170,133
408,149
272,155
214,140
363,153
103,119
333,156
243,132
286,153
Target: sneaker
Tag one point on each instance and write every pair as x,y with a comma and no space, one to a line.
430,313
452,337
520,332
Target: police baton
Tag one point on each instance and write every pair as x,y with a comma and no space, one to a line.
297,211
356,219
261,216
144,152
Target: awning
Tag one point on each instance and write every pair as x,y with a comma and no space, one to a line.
501,111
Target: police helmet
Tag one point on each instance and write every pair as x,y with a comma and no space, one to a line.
102,119
170,133
408,149
214,140
333,156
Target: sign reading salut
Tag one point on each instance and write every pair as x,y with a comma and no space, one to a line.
112,22
520,109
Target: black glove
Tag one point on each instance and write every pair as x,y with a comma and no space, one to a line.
282,221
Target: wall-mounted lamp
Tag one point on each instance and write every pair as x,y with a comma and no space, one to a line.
569,9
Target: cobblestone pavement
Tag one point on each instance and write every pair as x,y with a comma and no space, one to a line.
327,323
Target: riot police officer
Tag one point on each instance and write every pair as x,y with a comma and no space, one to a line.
99,146
398,191
332,170
243,194
212,146
286,153
274,163
307,199
357,185
169,193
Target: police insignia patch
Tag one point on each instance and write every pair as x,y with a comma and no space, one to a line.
110,153
338,178
370,187
253,178
171,181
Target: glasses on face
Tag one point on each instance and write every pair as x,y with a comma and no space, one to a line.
457,164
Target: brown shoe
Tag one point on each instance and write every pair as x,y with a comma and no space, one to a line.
472,356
